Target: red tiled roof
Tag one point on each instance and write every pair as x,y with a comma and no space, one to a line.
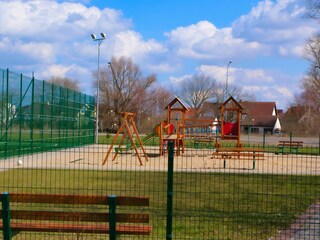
258,108
259,113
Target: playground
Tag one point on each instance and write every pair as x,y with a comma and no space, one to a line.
179,129
221,185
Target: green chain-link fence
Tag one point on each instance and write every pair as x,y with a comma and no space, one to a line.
39,116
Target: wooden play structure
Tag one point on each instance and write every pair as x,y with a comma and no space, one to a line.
179,128
231,112
129,129
170,129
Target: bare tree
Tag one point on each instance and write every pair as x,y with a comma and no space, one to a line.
122,89
308,102
197,90
235,91
152,110
65,82
311,83
313,9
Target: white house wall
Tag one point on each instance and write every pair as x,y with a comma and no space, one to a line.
274,112
277,125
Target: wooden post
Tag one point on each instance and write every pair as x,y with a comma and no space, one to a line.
7,234
170,191
239,125
112,217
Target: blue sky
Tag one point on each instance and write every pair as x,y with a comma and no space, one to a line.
171,38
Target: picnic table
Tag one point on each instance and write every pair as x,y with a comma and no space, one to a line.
239,154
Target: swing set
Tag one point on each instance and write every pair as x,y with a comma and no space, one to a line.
129,129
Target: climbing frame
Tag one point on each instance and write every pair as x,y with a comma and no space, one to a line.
231,112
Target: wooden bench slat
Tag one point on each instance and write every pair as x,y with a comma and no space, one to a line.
290,143
79,228
77,199
77,216
240,150
244,154
82,219
58,198
239,154
132,201
240,159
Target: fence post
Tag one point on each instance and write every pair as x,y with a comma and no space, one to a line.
112,217
20,114
6,216
7,114
290,142
32,115
170,189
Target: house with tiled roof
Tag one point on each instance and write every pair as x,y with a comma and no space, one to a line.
259,117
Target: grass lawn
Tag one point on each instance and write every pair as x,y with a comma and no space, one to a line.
206,205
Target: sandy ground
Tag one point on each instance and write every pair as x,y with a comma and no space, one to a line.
92,157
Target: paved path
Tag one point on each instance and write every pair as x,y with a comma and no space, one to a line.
306,227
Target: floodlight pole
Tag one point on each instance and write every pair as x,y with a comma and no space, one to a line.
99,40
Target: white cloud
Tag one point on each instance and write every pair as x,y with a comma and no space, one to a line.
218,72
52,38
203,40
237,76
276,23
266,86
175,82
28,52
249,76
51,21
130,43
56,70
72,71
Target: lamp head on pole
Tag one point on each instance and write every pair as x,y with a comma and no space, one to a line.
103,37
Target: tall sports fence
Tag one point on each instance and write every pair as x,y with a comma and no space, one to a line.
262,191
38,116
